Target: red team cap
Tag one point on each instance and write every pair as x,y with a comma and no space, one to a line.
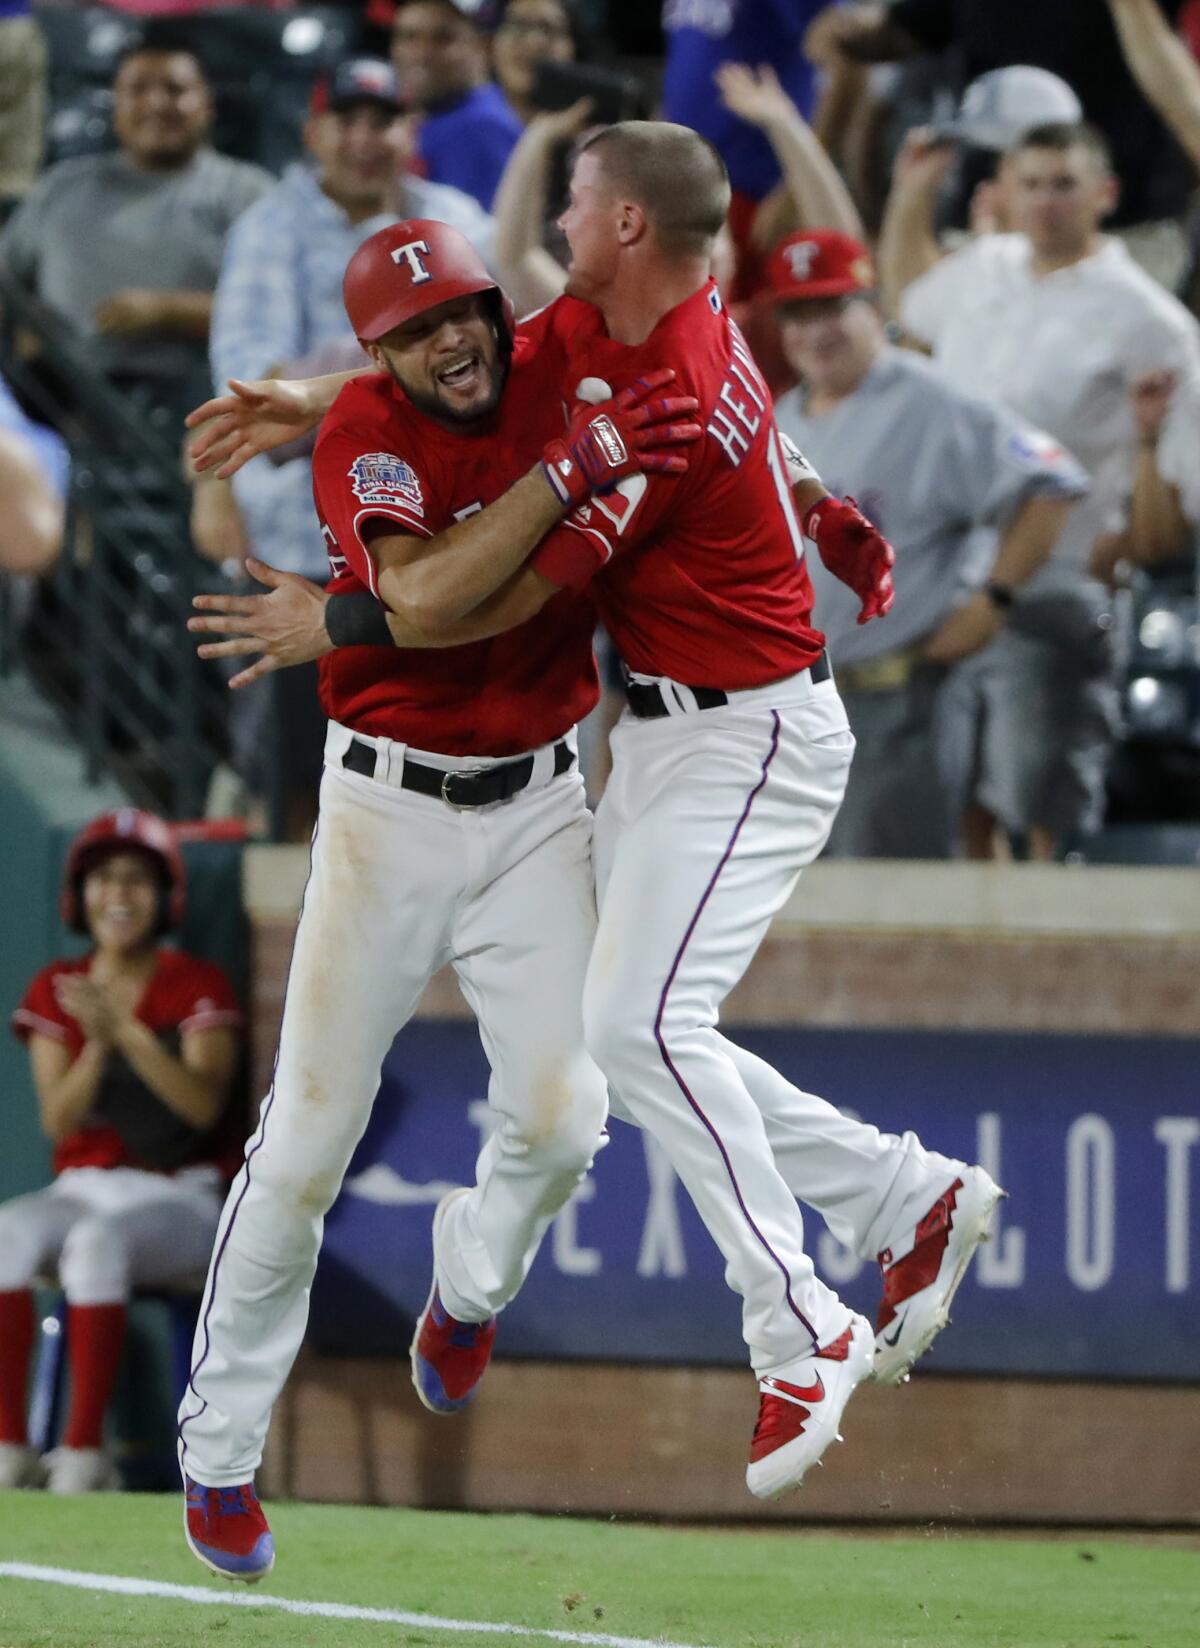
819,263
126,830
408,268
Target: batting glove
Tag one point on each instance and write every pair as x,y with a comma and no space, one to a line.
855,552
620,437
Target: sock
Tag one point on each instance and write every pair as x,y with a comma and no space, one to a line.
16,1348
95,1335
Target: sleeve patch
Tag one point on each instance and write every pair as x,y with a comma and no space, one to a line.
382,478
1030,449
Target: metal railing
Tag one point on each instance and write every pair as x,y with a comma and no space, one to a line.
104,635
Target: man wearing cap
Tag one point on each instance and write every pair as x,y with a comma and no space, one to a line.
467,129
278,310
928,462
1057,322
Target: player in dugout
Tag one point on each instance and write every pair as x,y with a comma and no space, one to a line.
738,780
133,1048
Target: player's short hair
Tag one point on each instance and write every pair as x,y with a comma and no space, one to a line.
675,175
1062,135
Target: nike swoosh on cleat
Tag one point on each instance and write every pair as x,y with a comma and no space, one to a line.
899,1330
799,1393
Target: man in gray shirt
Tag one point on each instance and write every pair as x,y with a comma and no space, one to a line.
928,464
125,247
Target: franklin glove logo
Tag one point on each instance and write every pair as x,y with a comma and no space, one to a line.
604,433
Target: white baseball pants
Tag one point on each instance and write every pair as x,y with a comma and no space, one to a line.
708,819
401,883
108,1230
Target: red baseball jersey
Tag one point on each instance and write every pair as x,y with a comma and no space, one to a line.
377,457
699,577
184,995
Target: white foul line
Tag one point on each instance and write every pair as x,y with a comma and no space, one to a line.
125,1586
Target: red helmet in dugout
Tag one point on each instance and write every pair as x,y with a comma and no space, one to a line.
126,830
410,267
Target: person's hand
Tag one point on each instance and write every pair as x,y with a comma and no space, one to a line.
285,627
967,630
133,310
1150,400
561,125
922,161
1108,552
619,437
755,96
89,1004
855,551
832,34
254,417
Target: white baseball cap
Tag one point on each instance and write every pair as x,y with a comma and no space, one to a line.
1001,106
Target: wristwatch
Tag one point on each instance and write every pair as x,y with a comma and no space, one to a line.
1000,595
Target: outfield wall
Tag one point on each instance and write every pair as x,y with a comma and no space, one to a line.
1044,1019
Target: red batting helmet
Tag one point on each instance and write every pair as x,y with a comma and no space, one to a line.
126,830
410,267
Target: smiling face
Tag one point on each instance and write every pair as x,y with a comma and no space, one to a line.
831,342
437,53
590,224
354,156
121,895
448,361
162,108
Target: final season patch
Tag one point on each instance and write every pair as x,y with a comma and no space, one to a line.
382,478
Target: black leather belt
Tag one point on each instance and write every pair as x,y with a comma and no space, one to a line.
647,702
466,787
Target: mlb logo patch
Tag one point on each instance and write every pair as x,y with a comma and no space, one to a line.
383,478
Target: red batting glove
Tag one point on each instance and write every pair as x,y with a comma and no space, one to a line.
855,552
621,437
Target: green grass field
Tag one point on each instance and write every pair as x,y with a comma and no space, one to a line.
723,1589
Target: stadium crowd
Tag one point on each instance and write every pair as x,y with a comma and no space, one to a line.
960,246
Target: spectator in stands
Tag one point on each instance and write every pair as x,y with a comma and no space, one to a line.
133,1050
125,247
1077,42
701,37
528,33
1057,322
279,311
33,484
993,115
22,102
928,462
466,129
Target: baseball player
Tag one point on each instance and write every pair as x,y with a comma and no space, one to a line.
133,1049
452,828
728,768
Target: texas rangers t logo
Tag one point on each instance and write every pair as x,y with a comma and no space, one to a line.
409,253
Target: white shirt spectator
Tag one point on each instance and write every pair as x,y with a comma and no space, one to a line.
1061,350
1179,447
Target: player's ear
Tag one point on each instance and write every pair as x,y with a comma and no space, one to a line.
632,223
376,354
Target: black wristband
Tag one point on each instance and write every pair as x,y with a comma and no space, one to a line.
1000,595
357,619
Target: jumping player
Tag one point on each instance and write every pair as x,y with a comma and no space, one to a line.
452,828
728,770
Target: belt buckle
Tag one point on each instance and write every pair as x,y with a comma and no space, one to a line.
460,772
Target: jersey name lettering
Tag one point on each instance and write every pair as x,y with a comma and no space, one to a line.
741,404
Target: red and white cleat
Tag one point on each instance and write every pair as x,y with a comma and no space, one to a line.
449,1357
922,1271
800,1408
